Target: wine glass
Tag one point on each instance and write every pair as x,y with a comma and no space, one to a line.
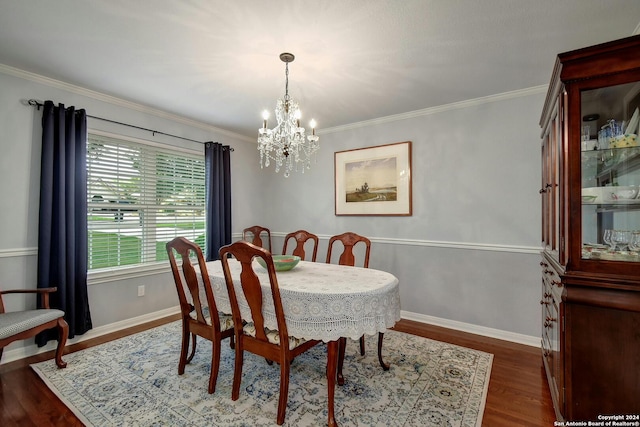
607,239
621,237
634,243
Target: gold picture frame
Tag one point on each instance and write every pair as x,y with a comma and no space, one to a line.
374,180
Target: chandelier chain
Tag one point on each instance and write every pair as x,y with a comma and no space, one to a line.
286,85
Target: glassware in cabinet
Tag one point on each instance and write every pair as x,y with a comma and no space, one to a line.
610,175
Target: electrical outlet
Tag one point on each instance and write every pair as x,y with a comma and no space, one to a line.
141,290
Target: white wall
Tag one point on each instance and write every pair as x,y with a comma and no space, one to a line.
467,257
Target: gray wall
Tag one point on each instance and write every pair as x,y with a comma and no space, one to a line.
113,300
470,251
467,257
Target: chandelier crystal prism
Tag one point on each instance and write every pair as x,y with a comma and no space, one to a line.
286,144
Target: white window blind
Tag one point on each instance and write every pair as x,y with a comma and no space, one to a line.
139,198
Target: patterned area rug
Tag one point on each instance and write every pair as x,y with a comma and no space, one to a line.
133,381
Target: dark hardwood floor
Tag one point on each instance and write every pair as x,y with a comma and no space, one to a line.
518,393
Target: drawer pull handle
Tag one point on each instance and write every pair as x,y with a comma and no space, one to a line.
546,187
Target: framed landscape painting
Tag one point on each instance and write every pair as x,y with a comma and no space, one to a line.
374,180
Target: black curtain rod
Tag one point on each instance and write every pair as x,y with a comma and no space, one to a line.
37,104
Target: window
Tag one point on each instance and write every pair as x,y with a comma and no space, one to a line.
139,197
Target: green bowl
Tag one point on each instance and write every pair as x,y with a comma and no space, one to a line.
281,262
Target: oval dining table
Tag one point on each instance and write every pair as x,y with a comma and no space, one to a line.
321,301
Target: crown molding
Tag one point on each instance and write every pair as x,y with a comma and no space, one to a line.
439,109
189,122
37,78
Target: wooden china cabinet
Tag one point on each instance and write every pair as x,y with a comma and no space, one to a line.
591,232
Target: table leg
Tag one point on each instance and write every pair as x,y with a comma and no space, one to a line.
385,366
341,349
332,359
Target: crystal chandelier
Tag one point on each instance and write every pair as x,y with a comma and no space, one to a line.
286,144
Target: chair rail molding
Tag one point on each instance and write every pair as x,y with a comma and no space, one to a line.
435,243
18,252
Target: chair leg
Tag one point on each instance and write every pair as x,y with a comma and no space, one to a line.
342,344
184,348
385,366
284,390
215,365
63,333
362,345
193,348
237,371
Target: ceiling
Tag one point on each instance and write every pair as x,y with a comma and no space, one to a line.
217,61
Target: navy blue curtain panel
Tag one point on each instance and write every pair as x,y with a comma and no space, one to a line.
62,231
218,198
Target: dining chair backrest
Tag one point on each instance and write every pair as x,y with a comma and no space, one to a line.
301,237
256,234
349,241
244,253
199,317
188,250
273,345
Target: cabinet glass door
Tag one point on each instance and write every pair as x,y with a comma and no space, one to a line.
610,160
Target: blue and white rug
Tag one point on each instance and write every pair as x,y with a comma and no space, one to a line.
134,381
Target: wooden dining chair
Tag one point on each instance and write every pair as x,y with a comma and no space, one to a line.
20,325
254,336
301,237
199,318
255,235
350,241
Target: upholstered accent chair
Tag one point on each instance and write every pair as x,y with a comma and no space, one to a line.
20,325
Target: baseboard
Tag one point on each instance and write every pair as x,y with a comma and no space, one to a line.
33,349
473,329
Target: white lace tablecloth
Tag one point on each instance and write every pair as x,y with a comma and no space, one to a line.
320,301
